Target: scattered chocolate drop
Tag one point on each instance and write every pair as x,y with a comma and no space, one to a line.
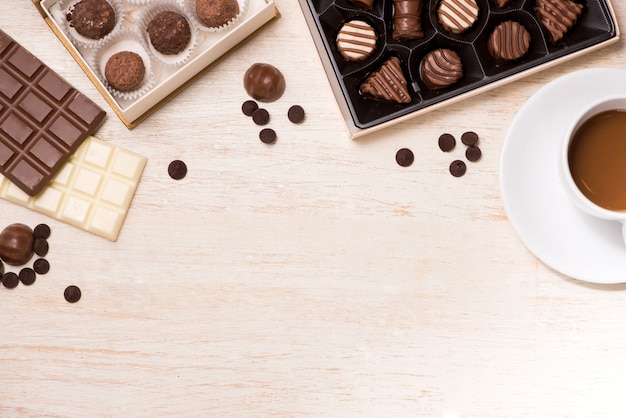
447,142
177,169
469,138
10,280
404,157
473,153
248,107
41,266
27,276
267,136
41,247
72,294
261,117
41,231
296,114
457,168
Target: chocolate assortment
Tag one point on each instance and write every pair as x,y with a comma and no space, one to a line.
428,53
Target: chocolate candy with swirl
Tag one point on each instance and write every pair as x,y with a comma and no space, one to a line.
407,20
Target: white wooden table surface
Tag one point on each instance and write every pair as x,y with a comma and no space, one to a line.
313,277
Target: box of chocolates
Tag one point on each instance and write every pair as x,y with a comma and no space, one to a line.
139,53
389,60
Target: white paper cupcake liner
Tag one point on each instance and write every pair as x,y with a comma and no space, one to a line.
83,41
190,7
125,40
173,6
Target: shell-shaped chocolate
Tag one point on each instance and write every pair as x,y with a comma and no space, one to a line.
387,83
441,68
509,41
558,17
457,16
356,40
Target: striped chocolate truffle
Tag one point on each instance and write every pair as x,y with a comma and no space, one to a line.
509,41
457,16
356,40
387,83
441,68
558,17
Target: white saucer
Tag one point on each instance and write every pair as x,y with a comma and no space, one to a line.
556,232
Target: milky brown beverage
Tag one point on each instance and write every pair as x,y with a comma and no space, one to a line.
597,159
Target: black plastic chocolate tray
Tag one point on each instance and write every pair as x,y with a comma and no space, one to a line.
595,26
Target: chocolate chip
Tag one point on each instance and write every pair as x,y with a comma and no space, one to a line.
41,266
267,136
457,168
72,294
404,157
261,117
248,107
10,280
27,276
447,142
41,231
473,153
296,114
41,247
177,169
469,138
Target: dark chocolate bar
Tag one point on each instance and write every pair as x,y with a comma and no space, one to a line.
43,119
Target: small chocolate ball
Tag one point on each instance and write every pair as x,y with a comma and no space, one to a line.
169,32
216,13
16,244
92,18
264,82
125,71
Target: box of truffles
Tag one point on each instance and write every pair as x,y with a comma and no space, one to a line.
389,60
139,53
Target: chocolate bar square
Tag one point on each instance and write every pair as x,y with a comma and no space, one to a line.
43,119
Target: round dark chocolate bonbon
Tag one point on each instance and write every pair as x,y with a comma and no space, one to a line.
10,280
41,266
261,117
248,107
267,136
41,231
264,82
27,276
169,32
125,71
447,142
404,157
16,244
177,169
92,19
469,138
72,294
296,114
457,168
473,153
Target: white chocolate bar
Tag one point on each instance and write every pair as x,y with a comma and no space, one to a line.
92,191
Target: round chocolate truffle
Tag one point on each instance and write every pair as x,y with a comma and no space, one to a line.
457,16
264,82
441,68
16,244
92,19
509,41
169,32
125,71
216,13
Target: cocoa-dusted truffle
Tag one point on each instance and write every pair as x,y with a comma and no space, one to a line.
92,19
169,32
216,13
125,71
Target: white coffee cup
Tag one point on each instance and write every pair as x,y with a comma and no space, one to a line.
567,179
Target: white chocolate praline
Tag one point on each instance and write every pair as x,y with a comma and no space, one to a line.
356,40
457,16
92,191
